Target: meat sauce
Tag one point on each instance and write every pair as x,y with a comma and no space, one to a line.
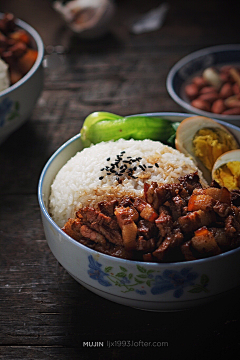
174,222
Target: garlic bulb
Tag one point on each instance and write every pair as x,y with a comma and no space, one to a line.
88,18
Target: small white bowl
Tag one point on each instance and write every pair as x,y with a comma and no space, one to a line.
194,64
18,101
149,286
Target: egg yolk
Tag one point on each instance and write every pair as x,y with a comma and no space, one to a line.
209,144
228,175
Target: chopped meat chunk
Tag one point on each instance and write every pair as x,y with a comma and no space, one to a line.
145,245
176,238
222,209
126,201
187,252
111,235
107,207
220,237
73,229
196,219
232,227
204,242
129,233
190,182
177,206
163,249
150,194
164,222
200,202
87,232
171,241
148,213
221,195
147,229
146,210
126,217
166,192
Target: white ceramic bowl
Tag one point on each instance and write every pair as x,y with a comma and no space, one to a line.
17,101
194,64
150,286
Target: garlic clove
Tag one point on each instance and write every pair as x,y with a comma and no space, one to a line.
213,78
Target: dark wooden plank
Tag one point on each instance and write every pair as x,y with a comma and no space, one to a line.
44,313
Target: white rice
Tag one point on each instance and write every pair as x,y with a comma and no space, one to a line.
79,183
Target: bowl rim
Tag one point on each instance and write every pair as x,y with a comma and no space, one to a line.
40,47
186,59
109,257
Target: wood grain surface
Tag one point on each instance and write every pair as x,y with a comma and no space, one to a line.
44,313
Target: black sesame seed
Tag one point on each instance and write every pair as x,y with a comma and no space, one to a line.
150,166
108,159
101,177
102,169
156,165
108,173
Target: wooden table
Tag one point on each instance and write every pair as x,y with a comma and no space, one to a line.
44,313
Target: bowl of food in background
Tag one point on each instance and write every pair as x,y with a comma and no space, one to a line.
21,72
207,82
134,220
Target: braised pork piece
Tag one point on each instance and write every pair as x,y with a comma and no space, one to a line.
175,222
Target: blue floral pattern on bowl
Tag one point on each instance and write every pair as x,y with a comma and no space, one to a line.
173,280
148,280
9,110
95,272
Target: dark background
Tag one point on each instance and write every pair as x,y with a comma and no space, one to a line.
44,313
